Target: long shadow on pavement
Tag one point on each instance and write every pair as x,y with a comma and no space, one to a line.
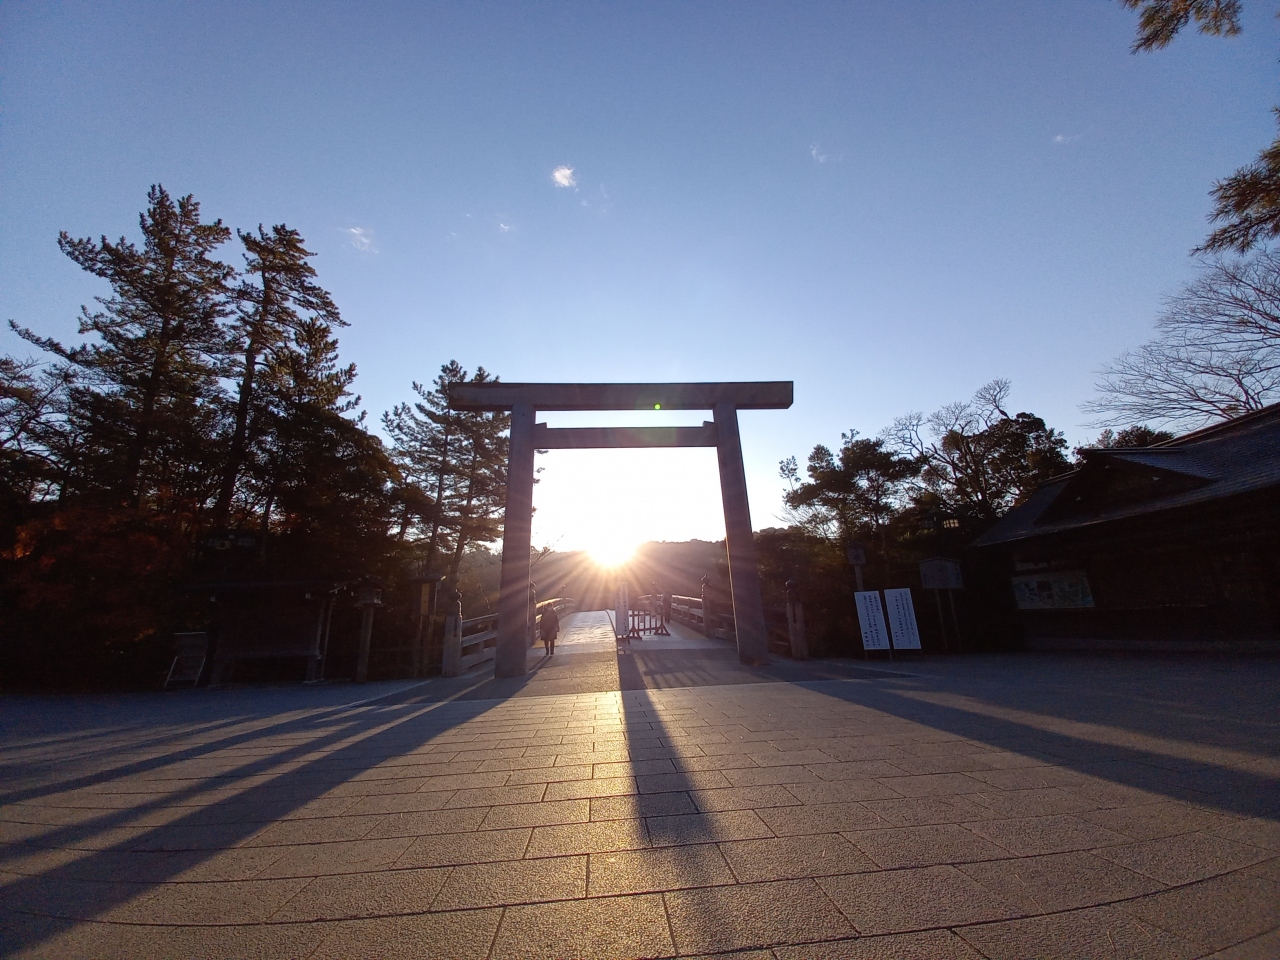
355,740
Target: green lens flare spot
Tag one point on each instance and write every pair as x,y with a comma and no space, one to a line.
657,406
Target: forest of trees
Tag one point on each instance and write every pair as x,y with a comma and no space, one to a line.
206,430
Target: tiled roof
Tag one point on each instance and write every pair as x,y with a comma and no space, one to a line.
1228,459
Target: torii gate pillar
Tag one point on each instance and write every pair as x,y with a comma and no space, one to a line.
517,526
744,575
524,400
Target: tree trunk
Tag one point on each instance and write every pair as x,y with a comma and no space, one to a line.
235,456
142,434
239,438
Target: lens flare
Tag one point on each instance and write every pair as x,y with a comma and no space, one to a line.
612,553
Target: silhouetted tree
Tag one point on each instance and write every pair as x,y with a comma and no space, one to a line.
1128,438
276,298
1216,355
978,460
144,397
458,458
851,494
324,482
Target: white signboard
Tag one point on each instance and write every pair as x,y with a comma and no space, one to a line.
871,620
902,619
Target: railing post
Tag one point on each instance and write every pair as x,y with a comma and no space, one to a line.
451,656
795,622
706,608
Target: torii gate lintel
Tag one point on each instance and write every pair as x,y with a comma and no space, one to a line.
524,400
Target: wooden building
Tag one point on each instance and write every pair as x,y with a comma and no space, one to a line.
1169,544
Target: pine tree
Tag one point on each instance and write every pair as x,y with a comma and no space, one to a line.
324,481
458,459
278,300
146,400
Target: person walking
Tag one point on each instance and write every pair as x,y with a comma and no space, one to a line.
549,628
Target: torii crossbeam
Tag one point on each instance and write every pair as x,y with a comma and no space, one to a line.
524,400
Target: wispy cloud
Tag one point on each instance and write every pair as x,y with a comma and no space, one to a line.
816,152
563,176
361,239
504,227
1065,138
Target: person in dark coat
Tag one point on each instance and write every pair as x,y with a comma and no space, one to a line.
550,629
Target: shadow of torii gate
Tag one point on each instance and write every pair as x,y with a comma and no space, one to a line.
524,400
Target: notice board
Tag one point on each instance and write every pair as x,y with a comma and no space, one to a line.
902,619
871,619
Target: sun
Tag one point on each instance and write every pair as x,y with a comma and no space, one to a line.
612,553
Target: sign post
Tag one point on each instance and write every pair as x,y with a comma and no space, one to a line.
938,574
857,554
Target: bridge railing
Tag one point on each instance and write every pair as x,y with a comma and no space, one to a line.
469,643
688,610
477,640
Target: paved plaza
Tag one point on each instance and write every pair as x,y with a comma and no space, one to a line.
661,802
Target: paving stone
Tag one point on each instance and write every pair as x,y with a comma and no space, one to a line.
665,868
231,901
156,942
428,822
674,782
631,926
585,789
732,761
899,901
716,919
1256,831
1264,947
351,896
1060,881
757,776
857,770
642,805
1184,859
1098,933
458,848
332,858
705,827
924,846
484,796
1215,913
743,798
512,882
930,945
786,858
1040,802
1032,836
931,785
917,811
462,935
790,758
1149,821
537,814
597,837
818,818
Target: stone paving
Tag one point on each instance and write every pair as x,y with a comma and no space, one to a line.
653,804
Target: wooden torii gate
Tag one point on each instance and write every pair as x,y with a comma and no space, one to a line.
524,400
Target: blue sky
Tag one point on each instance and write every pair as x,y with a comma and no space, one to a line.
889,204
